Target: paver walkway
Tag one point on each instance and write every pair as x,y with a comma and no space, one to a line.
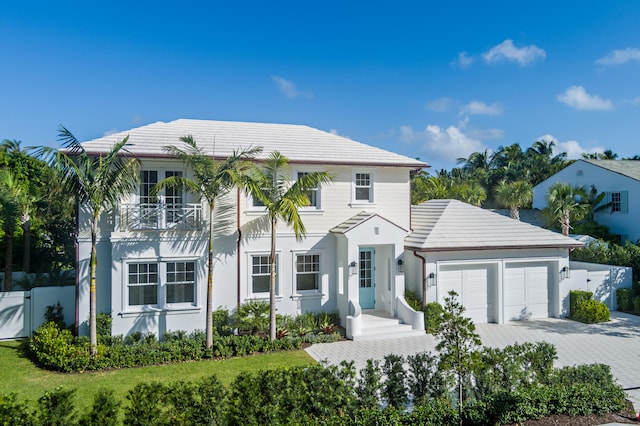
615,343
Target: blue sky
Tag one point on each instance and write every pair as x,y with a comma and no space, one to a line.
434,80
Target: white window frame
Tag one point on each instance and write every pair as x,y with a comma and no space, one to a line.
317,190
296,273
161,285
250,275
621,204
186,281
355,187
147,283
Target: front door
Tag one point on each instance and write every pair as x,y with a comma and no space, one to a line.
367,280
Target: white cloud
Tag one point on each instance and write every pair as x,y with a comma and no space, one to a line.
289,89
442,144
573,148
486,134
440,105
110,132
463,60
506,51
620,56
481,108
578,98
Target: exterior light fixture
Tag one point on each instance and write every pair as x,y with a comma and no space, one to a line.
431,279
400,266
353,268
565,273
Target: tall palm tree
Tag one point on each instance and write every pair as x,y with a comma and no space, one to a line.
99,182
211,180
272,186
10,194
565,204
513,195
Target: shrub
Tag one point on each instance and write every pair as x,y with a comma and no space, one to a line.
56,408
433,317
413,300
369,384
575,296
636,304
222,322
57,349
105,410
394,389
55,314
103,325
13,412
624,298
252,317
592,311
425,380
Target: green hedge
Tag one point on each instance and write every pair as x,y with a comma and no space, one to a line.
575,297
592,311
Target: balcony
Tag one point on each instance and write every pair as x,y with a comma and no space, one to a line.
160,217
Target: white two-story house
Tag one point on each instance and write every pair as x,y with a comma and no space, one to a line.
619,179
151,273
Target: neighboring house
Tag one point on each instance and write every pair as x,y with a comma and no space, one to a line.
620,179
502,269
151,272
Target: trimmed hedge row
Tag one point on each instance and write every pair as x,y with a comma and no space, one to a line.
585,309
337,396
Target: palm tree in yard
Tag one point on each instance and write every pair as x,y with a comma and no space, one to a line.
513,195
281,198
565,204
211,180
10,200
99,182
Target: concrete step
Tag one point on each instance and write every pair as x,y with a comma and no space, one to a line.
378,325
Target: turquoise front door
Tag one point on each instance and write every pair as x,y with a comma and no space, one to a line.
367,278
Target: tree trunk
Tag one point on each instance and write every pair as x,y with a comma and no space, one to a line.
209,322
26,257
8,259
515,213
93,337
272,283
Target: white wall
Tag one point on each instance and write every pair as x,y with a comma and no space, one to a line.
604,181
601,280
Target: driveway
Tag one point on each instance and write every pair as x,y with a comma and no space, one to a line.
615,343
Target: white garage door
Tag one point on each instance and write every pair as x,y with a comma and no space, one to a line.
475,287
526,291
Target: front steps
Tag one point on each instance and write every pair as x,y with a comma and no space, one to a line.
379,325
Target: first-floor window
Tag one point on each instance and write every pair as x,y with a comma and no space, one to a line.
307,272
143,284
261,274
180,282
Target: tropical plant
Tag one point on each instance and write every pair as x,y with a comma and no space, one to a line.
513,195
99,182
566,204
211,180
10,194
281,198
457,343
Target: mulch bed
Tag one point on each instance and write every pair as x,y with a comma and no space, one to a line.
628,416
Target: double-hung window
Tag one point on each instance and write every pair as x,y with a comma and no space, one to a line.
307,272
261,274
363,187
143,284
618,201
181,282
313,194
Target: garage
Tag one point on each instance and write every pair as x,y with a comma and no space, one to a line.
475,285
526,290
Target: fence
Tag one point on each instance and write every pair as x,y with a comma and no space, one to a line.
21,312
601,280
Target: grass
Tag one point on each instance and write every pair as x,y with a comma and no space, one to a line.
19,375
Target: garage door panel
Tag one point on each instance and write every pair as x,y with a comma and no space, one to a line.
526,291
474,287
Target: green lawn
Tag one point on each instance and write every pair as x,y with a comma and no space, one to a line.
19,375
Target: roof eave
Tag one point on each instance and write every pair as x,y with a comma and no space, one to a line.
503,247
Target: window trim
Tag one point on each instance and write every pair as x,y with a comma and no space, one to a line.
371,187
318,273
317,190
262,295
167,284
162,305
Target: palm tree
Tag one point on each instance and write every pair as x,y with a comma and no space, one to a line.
566,203
10,194
99,182
281,198
211,180
513,195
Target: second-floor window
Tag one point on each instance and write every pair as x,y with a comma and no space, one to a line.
363,187
313,194
619,202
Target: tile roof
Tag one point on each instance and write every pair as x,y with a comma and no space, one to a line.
300,144
447,225
630,168
355,221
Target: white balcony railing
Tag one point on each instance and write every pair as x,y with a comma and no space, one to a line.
160,217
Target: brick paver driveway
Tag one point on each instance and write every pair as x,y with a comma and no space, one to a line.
616,343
